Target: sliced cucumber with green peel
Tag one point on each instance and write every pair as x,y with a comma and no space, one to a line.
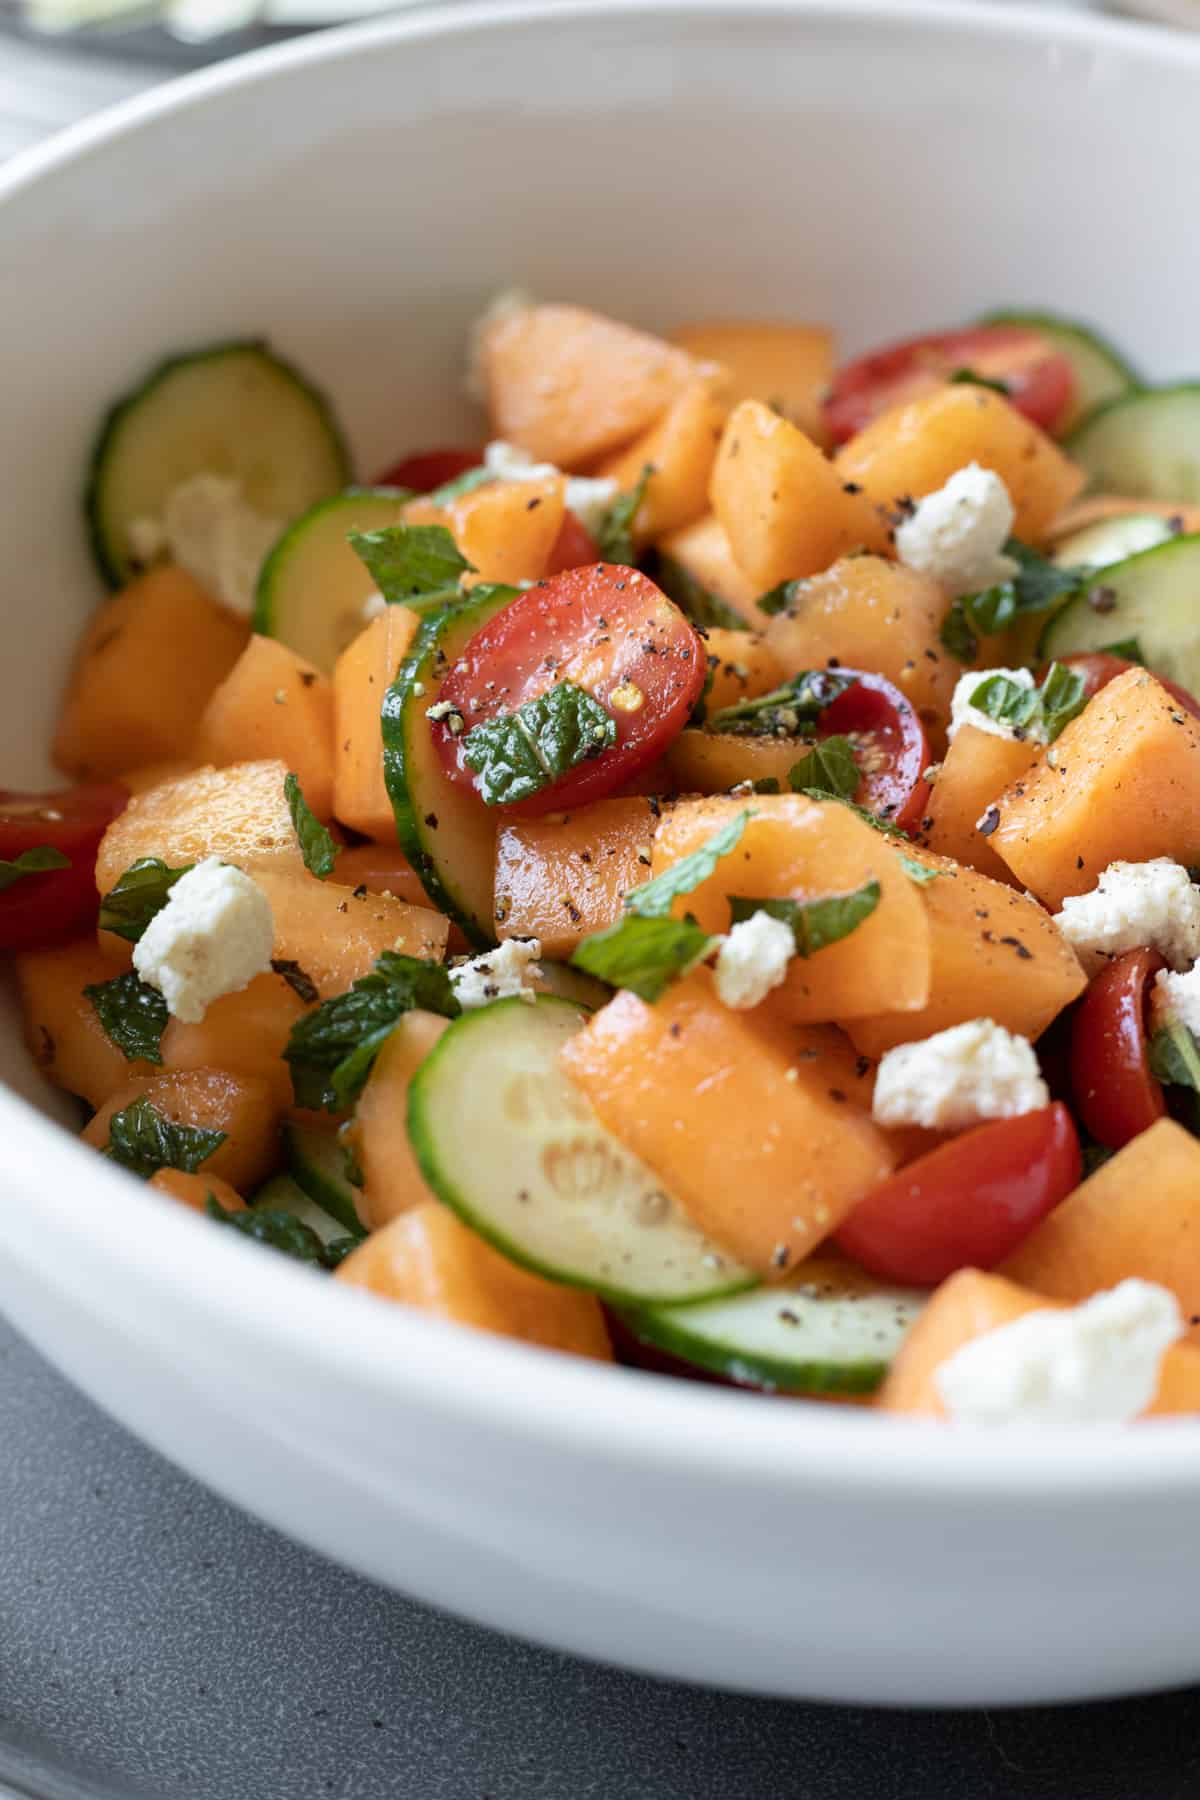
1111,541
282,1194
232,409
1144,444
1100,372
503,1137
446,832
1150,597
699,603
830,1329
313,587
318,1166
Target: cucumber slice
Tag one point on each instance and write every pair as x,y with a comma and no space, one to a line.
572,984
318,1166
699,603
313,587
233,409
282,1194
446,832
1111,541
535,1172
830,1329
1150,597
1145,444
1101,373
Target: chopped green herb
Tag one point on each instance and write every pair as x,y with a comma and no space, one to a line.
35,861
766,784
317,847
815,923
133,1013
614,539
1129,648
331,1050
968,378
279,1230
418,566
517,754
702,606
779,599
466,483
1042,711
142,891
655,898
301,984
1038,586
917,871
1175,1056
830,766
143,1140
1095,1156
786,710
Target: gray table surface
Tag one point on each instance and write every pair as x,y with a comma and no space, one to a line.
156,1644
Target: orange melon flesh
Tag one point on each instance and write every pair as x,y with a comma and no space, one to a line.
381,869
711,762
507,529
1121,783
975,771
743,665
788,367
336,932
1097,507
239,814
213,1100
152,775
800,849
703,551
196,1190
994,954
63,1033
273,704
245,1033
782,503
569,385
427,1259
361,677
560,877
793,1155
1139,1214
392,1182
681,450
911,450
146,666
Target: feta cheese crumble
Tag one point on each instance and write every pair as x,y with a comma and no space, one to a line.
501,306
214,935
588,498
506,973
1094,1364
963,713
752,960
1152,905
1176,999
211,530
957,534
958,1078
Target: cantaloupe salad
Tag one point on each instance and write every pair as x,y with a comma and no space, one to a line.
709,866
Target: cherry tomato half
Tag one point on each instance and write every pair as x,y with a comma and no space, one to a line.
425,470
1039,379
1115,1094
609,630
43,909
1099,667
572,548
890,743
969,1203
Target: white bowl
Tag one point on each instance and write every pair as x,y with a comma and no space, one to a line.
357,195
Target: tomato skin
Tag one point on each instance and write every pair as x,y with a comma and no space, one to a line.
425,470
1040,380
1099,667
1115,1094
604,627
39,910
572,548
895,789
969,1203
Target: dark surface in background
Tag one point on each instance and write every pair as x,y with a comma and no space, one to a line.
155,1643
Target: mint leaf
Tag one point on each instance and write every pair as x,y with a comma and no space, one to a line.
301,983
779,598
35,861
969,378
815,923
1038,586
466,483
830,766
786,710
702,606
142,891
133,1013
278,1230
917,871
655,898
419,566
316,844
644,953
331,1050
517,754
1129,648
1042,711
143,1141
614,539
1175,1057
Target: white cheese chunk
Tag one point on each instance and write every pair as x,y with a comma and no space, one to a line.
958,1078
501,305
963,713
958,533
506,973
1094,1364
1176,999
587,497
1151,905
210,529
752,960
214,935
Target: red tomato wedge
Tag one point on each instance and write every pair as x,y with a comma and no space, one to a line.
608,630
572,548
41,909
890,744
1039,380
1099,667
1115,1094
425,470
969,1203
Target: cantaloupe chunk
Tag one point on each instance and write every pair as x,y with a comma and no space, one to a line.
787,367
702,551
239,814
800,849
711,762
62,1029
784,1155
196,1190
361,677
429,1260
681,450
152,775
910,450
1139,1214
783,504
568,385
742,665
507,529
868,613
976,769
560,877
381,869
212,1100
1095,508
145,668
273,704
994,954
336,932
1120,784
245,1033
969,1305
392,1182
